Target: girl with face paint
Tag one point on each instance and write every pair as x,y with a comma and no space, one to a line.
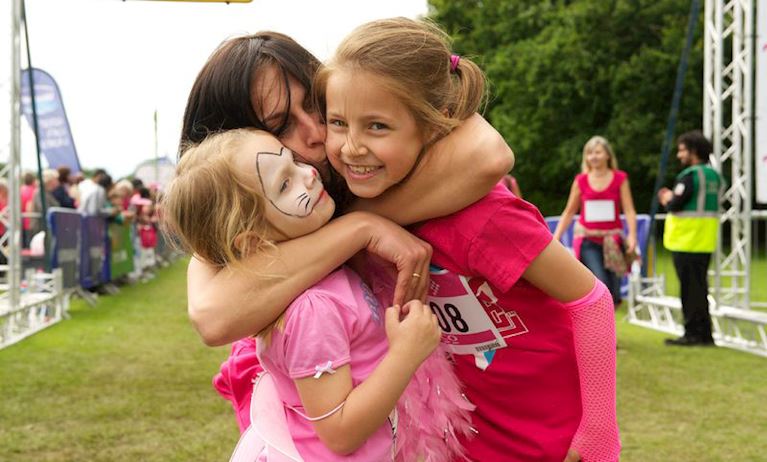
341,364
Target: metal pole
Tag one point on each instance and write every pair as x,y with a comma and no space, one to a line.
14,205
35,126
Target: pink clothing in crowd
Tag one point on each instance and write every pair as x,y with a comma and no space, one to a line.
519,350
27,194
600,210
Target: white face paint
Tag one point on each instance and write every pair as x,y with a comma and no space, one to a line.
296,201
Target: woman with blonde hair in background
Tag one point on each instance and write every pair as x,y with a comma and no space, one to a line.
600,192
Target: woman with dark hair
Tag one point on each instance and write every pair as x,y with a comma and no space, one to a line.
61,193
263,81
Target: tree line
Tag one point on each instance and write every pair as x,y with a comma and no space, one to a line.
562,71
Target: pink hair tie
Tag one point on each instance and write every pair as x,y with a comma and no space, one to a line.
454,60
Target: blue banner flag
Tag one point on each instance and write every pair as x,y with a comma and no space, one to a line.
55,137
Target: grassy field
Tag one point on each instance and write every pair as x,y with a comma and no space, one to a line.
129,380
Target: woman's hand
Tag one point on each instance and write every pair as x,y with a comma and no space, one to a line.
631,243
409,255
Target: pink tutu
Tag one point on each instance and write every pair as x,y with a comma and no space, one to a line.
432,413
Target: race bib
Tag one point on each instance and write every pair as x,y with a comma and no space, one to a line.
469,315
595,211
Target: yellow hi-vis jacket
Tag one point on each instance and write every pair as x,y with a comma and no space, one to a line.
695,227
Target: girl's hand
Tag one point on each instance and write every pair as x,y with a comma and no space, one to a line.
415,336
410,256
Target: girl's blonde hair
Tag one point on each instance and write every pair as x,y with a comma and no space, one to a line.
594,141
208,207
413,61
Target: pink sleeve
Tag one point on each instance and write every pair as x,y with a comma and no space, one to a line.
593,318
514,236
317,331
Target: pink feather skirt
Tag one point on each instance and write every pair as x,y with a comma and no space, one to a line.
432,413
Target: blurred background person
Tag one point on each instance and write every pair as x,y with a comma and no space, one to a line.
50,183
28,188
61,193
600,192
93,195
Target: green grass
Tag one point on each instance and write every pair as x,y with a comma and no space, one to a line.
129,380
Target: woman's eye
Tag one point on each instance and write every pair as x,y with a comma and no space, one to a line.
337,123
378,126
284,186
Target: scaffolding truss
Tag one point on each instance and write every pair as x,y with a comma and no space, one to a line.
727,122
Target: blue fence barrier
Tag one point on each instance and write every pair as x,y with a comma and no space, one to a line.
89,250
66,228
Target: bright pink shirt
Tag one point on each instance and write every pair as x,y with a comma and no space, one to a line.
528,397
338,321
611,194
27,193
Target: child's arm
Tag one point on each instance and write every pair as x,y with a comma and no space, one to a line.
592,313
573,204
366,407
456,172
227,304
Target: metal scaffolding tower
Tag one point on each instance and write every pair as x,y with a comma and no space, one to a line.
727,122
10,85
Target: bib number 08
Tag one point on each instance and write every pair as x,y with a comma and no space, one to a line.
449,318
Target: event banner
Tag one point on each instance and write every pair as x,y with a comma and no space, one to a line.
761,103
55,137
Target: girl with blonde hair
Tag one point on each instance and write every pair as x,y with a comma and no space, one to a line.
531,329
348,373
601,192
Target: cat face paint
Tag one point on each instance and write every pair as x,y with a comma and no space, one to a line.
297,203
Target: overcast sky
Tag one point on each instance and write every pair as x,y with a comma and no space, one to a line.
116,62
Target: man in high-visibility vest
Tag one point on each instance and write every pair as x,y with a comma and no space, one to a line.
690,233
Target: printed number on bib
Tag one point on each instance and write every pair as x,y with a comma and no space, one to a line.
599,211
469,315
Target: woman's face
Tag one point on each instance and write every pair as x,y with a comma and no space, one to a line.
597,157
304,134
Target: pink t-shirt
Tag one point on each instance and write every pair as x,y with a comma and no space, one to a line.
601,209
528,396
338,321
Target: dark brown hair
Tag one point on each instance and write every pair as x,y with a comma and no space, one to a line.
220,97
697,144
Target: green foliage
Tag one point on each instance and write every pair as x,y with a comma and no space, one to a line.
563,71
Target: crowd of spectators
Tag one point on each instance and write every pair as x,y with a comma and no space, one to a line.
126,201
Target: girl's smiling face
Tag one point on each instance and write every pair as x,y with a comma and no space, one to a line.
373,140
295,199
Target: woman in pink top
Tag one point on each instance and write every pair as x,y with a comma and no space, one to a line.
600,192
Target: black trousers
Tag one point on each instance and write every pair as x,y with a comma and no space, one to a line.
692,269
